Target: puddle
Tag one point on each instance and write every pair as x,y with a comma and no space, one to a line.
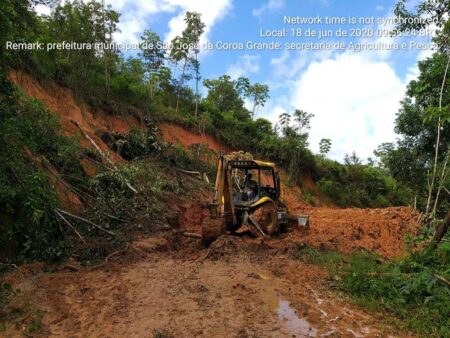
297,326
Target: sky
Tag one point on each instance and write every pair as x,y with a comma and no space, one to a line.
354,95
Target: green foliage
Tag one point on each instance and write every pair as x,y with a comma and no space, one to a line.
438,10
126,86
223,95
115,204
15,21
411,158
409,288
81,69
35,326
6,292
328,259
137,143
355,184
32,144
324,146
259,94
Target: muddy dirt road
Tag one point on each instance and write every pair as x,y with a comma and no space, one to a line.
168,285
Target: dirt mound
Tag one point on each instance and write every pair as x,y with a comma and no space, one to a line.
178,135
382,231
376,230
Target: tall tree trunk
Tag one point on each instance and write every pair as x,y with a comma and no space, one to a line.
197,76
438,140
106,80
150,85
254,110
441,231
180,85
443,178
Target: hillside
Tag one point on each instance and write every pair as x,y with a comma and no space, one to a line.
344,230
170,188
242,270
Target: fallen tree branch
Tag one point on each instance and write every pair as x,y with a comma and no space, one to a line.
70,226
205,178
189,172
105,157
87,221
113,217
442,279
108,257
199,175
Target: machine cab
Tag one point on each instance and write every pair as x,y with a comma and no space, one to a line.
253,180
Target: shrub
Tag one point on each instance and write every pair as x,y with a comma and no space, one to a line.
31,137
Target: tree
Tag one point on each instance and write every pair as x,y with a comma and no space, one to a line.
439,11
203,122
259,93
110,20
302,123
154,57
81,69
186,45
264,126
284,120
223,95
352,159
194,29
324,146
177,53
242,86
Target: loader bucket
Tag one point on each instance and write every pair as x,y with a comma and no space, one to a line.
301,221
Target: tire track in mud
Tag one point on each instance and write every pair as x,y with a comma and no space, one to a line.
245,288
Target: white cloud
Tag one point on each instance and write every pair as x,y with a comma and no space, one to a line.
137,15
272,112
413,71
354,100
379,8
288,64
246,64
354,96
270,6
212,12
42,9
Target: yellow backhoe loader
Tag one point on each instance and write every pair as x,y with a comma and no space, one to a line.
247,193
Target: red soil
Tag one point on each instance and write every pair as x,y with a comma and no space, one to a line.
379,230
76,118
345,230
178,135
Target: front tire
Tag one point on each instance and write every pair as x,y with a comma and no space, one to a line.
266,217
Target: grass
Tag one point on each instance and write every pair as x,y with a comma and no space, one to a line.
330,260
410,289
